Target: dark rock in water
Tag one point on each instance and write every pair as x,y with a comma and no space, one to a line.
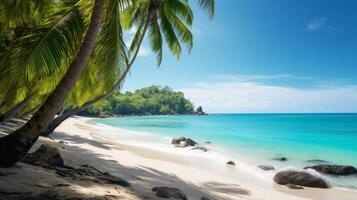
299,178
46,155
204,198
266,167
231,163
334,169
169,192
280,159
199,111
294,187
208,142
183,142
317,161
202,148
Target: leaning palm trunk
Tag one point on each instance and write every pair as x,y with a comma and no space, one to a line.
13,147
65,115
62,117
13,111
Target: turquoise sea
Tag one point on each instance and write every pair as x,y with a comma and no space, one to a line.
303,139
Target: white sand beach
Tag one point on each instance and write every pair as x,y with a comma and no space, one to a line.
144,168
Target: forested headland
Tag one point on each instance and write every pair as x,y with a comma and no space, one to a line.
153,100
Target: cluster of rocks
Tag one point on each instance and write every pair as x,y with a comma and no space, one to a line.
199,111
187,142
294,179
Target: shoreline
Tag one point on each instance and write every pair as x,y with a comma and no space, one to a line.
195,160
192,171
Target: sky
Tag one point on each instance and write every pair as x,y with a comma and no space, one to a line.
263,56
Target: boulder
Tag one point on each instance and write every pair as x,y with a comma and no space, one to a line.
280,159
45,155
334,169
231,163
266,167
169,192
183,142
294,187
301,178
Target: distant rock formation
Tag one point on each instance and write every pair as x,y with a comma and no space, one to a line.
199,111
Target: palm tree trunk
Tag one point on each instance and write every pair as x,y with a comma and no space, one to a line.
65,115
13,111
62,117
13,147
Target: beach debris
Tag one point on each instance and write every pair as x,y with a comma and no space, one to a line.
280,159
169,192
183,142
202,148
300,178
45,155
266,167
231,163
294,187
341,170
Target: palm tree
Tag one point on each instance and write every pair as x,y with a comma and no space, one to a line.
14,146
143,14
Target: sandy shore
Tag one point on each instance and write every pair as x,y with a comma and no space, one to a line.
144,168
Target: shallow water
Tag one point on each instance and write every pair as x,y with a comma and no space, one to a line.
257,138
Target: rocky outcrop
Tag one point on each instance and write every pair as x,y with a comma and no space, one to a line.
45,155
317,161
266,167
301,178
169,192
199,111
334,169
183,142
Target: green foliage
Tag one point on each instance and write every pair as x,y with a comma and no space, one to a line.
154,100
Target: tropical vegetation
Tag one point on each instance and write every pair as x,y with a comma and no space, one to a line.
153,100
64,55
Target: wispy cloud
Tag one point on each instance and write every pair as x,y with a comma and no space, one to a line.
317,24
244,96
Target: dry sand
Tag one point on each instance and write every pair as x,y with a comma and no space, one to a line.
146,168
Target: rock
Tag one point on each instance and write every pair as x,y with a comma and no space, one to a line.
169,192
202,148
199,111
334,169
204,198
299,178
266,167
46,155
178,140
280,159
231,163
183,142
294,187
208,142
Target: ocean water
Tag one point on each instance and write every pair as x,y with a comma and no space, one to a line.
303,139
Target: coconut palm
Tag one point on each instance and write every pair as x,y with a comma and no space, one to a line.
53,51
142,14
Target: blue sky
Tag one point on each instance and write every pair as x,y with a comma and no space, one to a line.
264,56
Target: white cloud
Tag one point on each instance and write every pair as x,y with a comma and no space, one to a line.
144,51
317,24
250,96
